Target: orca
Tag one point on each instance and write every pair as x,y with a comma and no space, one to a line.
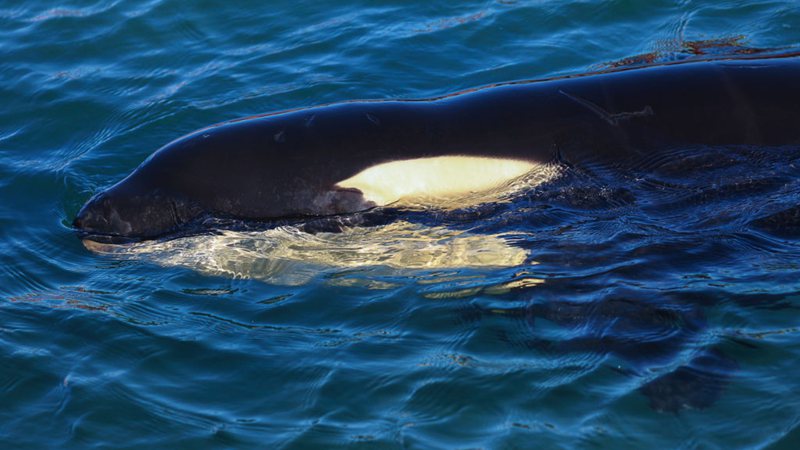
352,156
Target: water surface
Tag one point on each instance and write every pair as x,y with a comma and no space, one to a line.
605,308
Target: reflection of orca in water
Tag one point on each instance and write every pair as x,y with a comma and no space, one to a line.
643,339
696,385
349,157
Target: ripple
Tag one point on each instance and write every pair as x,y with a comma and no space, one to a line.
60,13
612,306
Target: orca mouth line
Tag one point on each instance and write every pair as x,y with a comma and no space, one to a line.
105,238
211,224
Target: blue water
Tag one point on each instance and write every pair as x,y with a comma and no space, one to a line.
652,308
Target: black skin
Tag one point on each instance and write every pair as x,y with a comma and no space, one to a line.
286,165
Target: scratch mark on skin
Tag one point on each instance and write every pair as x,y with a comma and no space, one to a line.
612,119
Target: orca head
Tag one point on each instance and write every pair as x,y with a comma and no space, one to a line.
125,212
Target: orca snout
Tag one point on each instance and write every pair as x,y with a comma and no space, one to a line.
123,212
94,216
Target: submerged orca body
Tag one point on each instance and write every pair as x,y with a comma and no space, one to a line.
349,157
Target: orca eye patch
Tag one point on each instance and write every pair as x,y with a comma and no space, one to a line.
442,177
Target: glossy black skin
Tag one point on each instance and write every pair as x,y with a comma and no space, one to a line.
286,165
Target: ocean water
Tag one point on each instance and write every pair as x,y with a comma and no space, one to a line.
655,307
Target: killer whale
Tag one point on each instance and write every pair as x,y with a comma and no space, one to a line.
352,156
